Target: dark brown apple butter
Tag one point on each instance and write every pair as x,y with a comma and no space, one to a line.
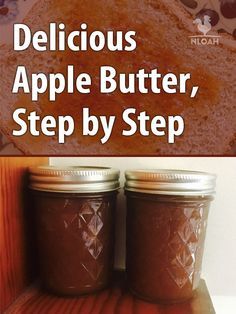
166,224
75,227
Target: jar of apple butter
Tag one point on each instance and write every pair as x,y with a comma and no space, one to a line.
166,224
75,208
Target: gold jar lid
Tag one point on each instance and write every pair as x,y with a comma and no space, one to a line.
170,182
74,179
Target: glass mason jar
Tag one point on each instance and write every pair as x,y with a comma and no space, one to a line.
75,208
166,224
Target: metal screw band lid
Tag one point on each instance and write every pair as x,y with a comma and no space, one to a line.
170,182
74,179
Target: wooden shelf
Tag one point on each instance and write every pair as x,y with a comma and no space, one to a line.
17,262
115,300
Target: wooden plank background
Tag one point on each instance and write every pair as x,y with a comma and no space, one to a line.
115,300
16,265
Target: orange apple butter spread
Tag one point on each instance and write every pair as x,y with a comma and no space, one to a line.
166,223
75,209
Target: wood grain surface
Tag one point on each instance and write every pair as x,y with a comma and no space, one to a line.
116,300
16,266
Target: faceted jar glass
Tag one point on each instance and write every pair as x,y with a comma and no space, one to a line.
165,241
75,240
